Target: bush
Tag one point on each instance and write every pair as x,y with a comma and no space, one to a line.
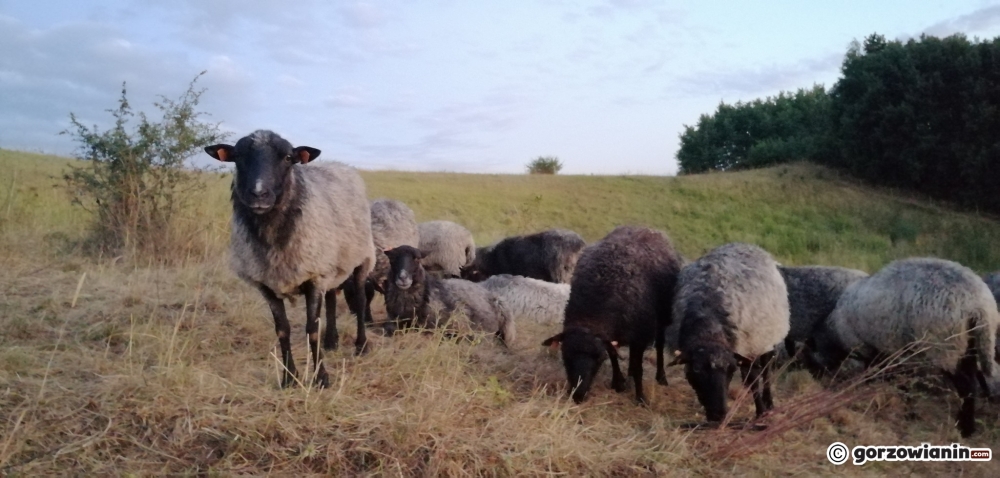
545,165
135,180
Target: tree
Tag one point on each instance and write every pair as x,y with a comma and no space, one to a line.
135,180
545,165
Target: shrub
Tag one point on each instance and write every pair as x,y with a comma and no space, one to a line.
135,180
545,165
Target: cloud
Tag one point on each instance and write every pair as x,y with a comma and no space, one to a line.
362,15
79,68
978,21
757,81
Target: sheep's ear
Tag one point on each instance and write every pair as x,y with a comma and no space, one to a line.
222,152
554,341
305,154
679,359
420,254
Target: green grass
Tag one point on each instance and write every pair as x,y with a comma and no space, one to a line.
117,367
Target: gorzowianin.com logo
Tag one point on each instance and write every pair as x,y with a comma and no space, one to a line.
838,453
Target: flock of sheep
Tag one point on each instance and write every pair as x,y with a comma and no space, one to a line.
310,230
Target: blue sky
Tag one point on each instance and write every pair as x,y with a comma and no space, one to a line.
604,85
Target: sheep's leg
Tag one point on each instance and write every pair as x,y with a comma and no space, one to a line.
751,371
284,330
767,367
331,338
660,343
635,370
617,379
314,301
361,342
964,379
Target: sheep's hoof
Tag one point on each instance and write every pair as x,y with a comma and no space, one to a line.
323,380
618,386
362,348
330,343
662,380
641,401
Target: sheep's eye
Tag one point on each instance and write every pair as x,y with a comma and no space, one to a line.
288,158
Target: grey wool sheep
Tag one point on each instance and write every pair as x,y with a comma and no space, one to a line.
732,305
415,298
620,295
813,292
993,282
938,310
531,299
393,225
298,228
447,247
548,255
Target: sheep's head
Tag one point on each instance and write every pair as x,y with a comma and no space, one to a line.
263,162
823,353
404,266
582,354
709,369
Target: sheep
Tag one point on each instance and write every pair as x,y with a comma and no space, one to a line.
298,228
938,310
812,294
993,282
415,297
393,225
620,294
539,301
548,255
732,305
447,247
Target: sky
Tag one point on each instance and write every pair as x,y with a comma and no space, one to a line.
441,85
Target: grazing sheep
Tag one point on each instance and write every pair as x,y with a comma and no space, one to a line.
548,255
732,305
447,247
393,225
414,297
539,301
812,294
621,294
298,228
941,306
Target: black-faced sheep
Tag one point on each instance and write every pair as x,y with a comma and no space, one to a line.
393,225
732,305
524,298
813,292
447,247
620,294
938,310
298,229
414,297
548,255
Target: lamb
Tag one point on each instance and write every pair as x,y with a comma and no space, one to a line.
393,225
539,301
620,294
732,305
812,294
938,310
298,228
414,297
447,247
548,255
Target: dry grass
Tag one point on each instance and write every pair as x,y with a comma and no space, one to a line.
109,368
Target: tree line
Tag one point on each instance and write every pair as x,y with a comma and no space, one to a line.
923,114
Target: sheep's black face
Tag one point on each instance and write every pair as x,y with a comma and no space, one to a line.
582,354
472,273
404,266
263,163
709,373
824,354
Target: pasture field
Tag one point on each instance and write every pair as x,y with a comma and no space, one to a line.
127,366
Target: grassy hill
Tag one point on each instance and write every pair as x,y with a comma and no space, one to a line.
110,366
